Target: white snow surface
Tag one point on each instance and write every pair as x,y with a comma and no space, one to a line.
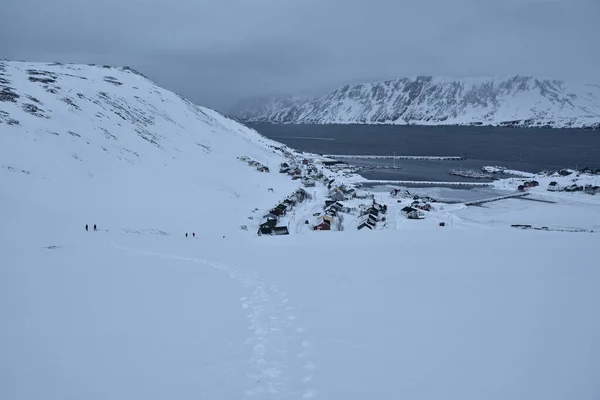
426,100
137,310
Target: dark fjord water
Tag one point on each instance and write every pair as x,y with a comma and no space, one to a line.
531,150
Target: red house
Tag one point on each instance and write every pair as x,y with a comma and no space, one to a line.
323,226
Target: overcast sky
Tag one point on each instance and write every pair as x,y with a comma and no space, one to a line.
216,52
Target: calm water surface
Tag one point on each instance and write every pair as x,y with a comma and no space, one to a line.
531,150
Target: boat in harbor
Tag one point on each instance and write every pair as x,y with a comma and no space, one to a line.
493,169
470,173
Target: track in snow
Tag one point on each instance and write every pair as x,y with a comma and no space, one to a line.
275,334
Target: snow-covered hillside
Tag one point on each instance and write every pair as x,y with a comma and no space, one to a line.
137,310
425,100
74,134
260,107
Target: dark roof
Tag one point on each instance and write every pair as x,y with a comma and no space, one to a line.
268,223
408,209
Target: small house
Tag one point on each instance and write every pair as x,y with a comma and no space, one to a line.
421,205
277,211
343,207
406,210
266,227
428,199
372,210
323,226
415,214
573,188
555,187
289,203
337,196
308,182
300,195
262,168
336,206
400,194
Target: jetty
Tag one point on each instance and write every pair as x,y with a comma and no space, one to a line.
489,200
424,183
393,157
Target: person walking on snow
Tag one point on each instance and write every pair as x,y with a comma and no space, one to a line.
86,227
95,227
194,234
186,234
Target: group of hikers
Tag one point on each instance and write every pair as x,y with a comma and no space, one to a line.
86,227
96,228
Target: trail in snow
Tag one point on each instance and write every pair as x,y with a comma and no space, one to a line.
275,334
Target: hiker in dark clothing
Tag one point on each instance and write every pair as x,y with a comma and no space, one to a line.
86,227
194,234
186,234
95,227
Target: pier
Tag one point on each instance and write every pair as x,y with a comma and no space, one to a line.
394,157
508,196
425,183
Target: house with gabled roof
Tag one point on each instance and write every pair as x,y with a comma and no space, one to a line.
323,226
266,227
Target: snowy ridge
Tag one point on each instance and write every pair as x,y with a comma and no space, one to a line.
425,100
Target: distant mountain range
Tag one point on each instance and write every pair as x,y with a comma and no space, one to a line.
426,100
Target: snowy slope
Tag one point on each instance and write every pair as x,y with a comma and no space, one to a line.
74,133
515,100
261,107
136,310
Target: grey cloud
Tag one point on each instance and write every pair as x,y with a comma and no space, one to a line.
218,51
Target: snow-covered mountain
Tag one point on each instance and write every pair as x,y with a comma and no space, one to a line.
261,107
70,131
426,100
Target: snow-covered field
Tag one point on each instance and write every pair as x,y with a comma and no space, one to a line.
476,309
